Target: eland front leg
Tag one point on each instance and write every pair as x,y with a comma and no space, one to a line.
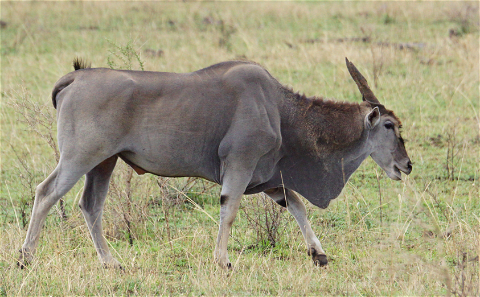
234,183
287,198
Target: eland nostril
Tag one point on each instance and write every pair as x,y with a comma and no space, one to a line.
409,166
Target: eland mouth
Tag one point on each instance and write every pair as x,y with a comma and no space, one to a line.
397,171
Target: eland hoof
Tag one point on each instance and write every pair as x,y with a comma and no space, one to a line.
226,265
22,264
318,259
24,259
112,263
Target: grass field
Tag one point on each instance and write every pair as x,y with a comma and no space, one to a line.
420,236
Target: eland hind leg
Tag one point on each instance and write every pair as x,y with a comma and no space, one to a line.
287,198
91,204
57,184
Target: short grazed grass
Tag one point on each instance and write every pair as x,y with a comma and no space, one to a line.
415,237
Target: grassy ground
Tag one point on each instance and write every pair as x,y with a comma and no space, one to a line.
415,237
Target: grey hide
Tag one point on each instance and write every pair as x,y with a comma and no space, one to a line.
231,123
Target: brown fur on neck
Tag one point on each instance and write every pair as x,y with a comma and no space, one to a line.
328,125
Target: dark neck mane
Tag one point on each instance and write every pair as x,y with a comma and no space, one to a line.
327,125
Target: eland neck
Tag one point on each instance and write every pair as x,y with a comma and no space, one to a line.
324,142
324,128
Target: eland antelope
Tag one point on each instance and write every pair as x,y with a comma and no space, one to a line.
231,123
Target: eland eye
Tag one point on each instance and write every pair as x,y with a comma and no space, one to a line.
389,125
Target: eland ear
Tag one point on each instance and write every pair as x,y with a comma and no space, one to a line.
372,118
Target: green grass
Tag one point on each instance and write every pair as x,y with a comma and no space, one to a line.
382,237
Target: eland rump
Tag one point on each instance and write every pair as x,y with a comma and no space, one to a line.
231,123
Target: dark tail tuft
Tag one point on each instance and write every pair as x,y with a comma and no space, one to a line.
79,63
